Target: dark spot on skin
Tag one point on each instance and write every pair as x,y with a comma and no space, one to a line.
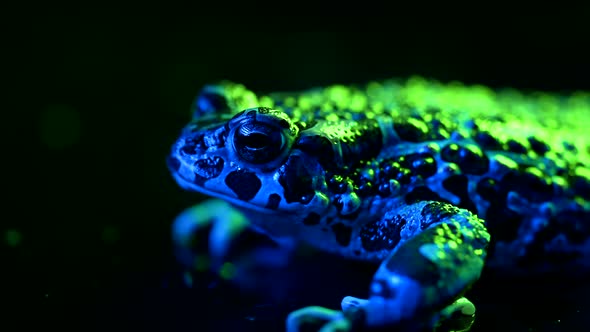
207,168
365,144
342,233
422,193
470,124
319,147
192,144
404,176
438,130
359,116
382,234
243,183
382,289
516,147
337,184
392,169
569,146
412,130
539,147
422,164
384,189
487,188
487,141
529,184
173,164
437,212
470,159
457,185
296,181
311,219
273,201
389,169
365,188
561,171
581,186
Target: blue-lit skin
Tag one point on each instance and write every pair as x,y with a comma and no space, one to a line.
413,176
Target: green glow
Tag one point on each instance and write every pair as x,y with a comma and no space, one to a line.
227,271
110,234
13,238
290,102
332,117
188,279
201,263
266,101
59,126
358,102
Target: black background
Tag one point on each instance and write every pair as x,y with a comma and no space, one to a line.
94,216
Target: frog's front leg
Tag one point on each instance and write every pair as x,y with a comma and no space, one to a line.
440,255
215,236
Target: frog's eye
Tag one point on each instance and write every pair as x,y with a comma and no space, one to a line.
258,142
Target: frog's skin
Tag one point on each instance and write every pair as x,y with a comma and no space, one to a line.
430,180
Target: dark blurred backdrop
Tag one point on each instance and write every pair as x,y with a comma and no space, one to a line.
96,96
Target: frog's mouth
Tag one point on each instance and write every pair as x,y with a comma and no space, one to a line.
288,190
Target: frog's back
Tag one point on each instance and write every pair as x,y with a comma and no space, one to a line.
520,161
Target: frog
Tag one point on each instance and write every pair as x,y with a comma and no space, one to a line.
431,181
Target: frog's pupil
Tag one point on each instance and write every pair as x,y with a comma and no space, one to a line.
256,140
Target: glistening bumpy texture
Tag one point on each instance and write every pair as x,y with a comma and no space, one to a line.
414,174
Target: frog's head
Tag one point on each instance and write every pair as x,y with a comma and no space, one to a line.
252,160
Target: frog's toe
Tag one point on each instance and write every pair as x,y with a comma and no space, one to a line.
323,319
457,317
351,303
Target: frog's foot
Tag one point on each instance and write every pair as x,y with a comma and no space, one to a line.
457,317
203,233
327,320
214,236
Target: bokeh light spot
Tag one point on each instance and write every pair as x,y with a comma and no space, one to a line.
13,238
227,271
110,234
59,126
